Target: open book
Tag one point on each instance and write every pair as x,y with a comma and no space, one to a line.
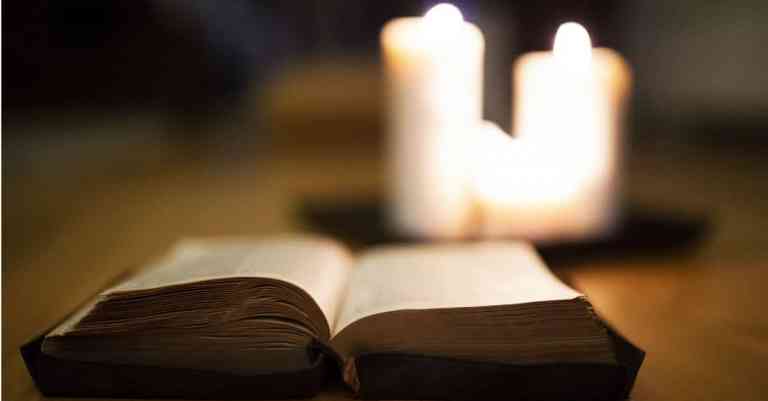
395,321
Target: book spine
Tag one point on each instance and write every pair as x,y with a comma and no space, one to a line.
350,376
346,367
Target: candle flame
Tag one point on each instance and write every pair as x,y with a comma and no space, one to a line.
444,15
573,45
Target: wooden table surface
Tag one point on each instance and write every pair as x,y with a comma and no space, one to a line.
702,319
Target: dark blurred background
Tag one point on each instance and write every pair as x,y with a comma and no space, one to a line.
700,66
139,88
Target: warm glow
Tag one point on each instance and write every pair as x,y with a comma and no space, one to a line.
442,20
533,189
519,173
573,45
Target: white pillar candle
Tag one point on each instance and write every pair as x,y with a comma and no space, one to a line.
522,190
433,69
558,179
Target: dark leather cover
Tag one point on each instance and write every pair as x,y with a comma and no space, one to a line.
59,377
398,376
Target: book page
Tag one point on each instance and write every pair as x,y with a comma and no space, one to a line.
319,266
448,276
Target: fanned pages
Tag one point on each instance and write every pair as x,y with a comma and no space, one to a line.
449,276
489,301
259,303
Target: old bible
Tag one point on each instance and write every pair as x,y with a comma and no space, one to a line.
276,318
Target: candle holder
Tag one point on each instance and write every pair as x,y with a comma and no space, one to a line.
641,232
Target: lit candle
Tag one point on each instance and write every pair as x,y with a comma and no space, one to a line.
558,178
433,68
